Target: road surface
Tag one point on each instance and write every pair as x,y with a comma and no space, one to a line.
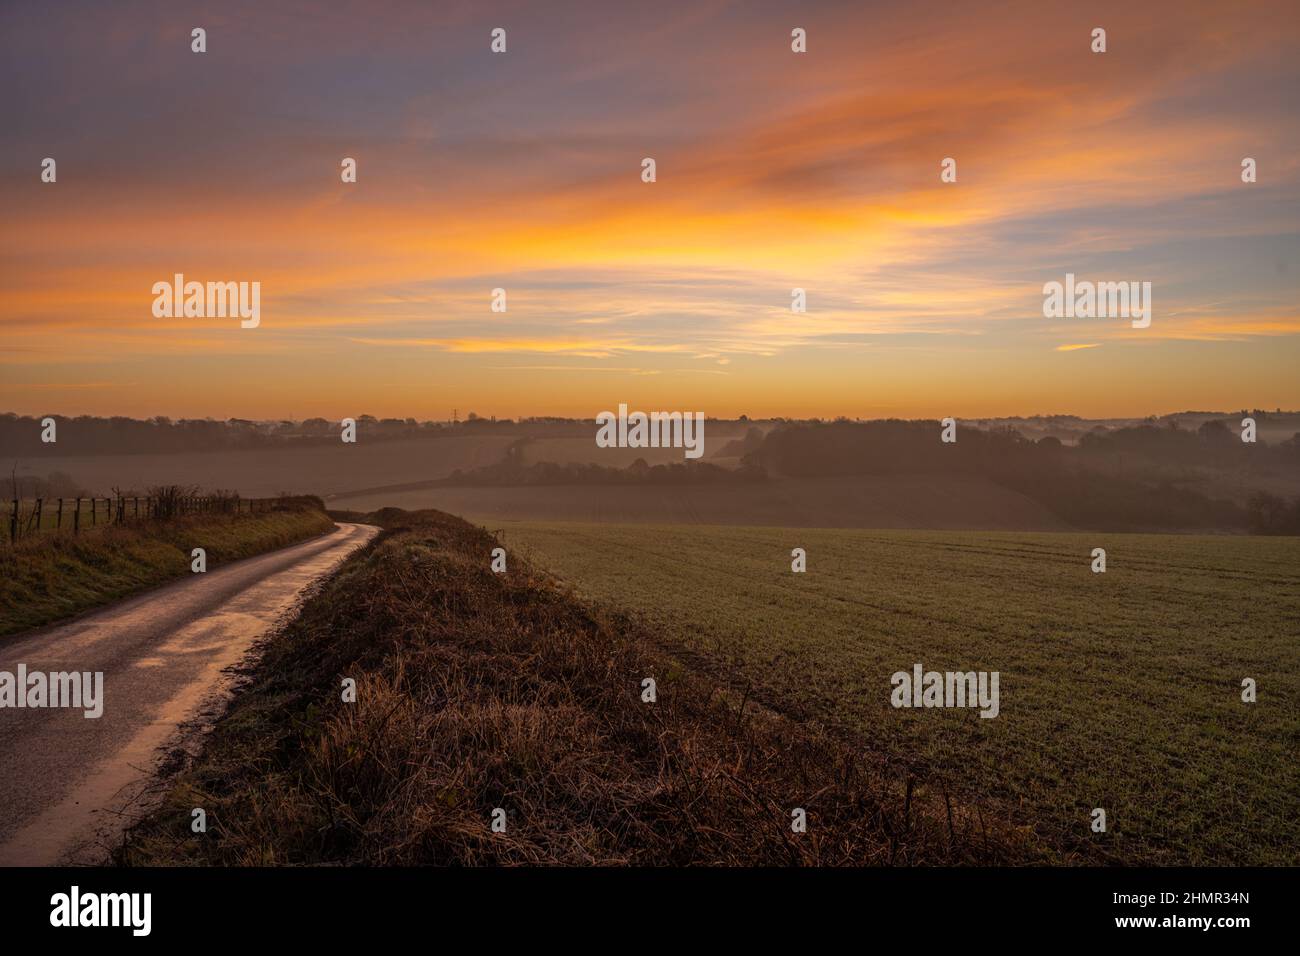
68,784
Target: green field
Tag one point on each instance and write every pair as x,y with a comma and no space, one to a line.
1119,690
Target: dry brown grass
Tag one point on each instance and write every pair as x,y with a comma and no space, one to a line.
478,690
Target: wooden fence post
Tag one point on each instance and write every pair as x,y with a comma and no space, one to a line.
13,523
76,519
58,524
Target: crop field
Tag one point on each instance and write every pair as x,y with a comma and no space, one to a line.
1120,691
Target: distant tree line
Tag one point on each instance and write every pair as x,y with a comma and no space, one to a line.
1213,444
894,446
20,435
1271,514
1113,480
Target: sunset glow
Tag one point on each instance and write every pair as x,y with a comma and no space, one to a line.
774,171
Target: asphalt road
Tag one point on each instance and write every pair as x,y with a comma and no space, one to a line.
69,783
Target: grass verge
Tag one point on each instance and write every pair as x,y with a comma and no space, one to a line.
49,577
478,691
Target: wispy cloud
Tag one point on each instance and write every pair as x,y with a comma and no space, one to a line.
776,171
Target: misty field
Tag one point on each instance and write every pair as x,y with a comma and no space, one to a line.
859,501
325,469
1120,690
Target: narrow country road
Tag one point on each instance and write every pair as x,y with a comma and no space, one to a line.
68,783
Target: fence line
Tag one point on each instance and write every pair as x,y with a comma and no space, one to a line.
30,516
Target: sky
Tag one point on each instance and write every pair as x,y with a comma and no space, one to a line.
522,170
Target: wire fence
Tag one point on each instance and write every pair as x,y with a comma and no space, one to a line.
33,516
